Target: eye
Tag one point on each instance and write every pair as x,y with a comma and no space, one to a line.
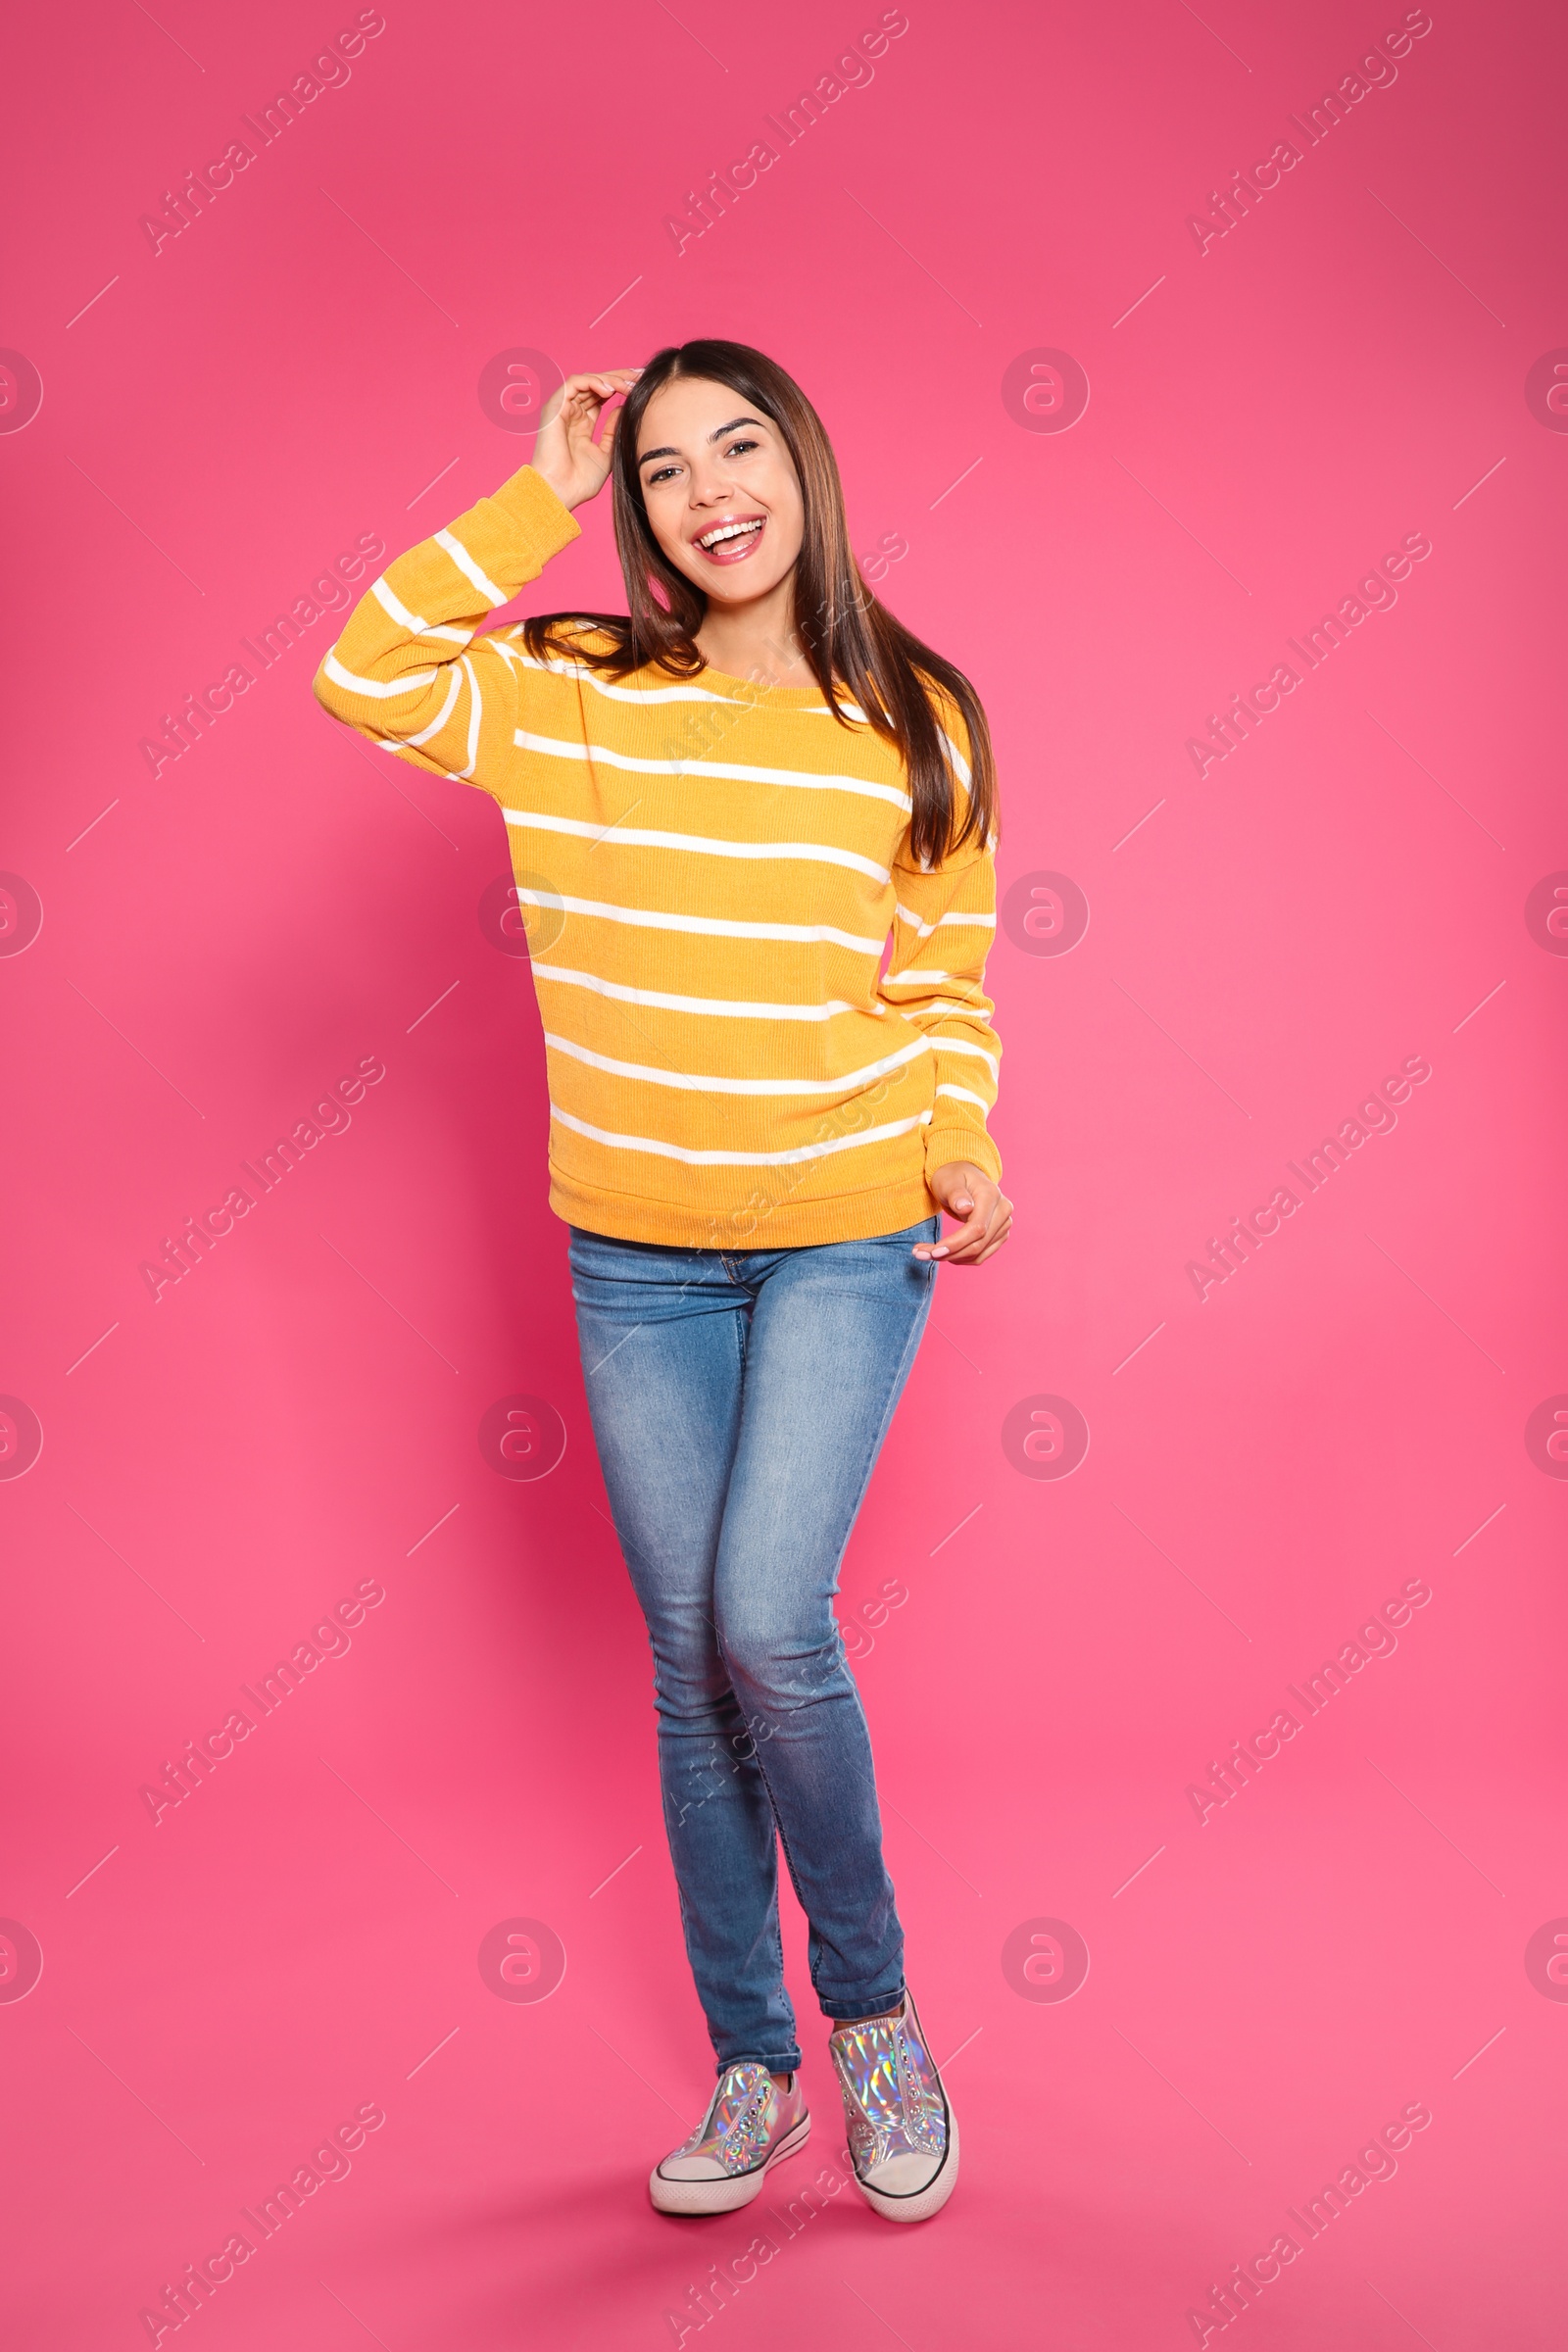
661,473
740,447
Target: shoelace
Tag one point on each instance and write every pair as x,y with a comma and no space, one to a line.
904,2109
733,2131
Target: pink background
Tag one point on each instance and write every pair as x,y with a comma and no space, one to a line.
1266,1989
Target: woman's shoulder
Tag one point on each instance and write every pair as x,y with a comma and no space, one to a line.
947,711
568,637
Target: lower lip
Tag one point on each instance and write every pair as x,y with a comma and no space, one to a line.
734,551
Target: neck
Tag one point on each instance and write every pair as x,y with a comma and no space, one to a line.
757,639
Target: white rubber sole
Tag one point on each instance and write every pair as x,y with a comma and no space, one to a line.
925,2201
724,2195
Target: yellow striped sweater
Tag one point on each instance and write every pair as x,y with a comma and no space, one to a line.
709,873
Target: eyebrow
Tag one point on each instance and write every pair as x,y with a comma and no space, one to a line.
717,434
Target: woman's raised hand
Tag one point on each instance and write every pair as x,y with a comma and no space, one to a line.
565,453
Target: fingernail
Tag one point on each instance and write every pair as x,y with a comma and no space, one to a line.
941,1250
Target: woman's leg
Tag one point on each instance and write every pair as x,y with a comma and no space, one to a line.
663,1339
834,1333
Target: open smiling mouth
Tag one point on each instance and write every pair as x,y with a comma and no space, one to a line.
732,540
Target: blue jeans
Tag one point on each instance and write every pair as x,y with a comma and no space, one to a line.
739,1402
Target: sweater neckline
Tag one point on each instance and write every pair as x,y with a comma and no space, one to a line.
789,698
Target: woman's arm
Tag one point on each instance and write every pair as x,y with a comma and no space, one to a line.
945,923
410,670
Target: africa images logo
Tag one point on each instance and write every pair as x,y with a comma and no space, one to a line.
21,1960
1044,1436
522,1960
523,1436
21,391
20,1437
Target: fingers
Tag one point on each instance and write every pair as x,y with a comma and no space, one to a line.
581,403
975,1252
594,388
973,1204
988,1219
955,1188
962,1247
998,1225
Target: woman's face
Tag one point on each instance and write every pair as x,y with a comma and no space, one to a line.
722,495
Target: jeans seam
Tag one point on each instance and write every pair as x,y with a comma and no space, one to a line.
894,1390
783,1839
778,1953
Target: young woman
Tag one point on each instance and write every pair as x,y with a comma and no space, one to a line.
720,806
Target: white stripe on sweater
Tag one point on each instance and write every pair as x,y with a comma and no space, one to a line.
470,570
465,775
661,999
699,844
806,934
755,698
943,1010
962,1045
721,770
971,922
738,1159
411,622
454,683
409,683
693,1084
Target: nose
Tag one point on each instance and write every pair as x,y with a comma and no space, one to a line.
708,486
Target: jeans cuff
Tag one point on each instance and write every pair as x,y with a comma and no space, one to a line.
875,2006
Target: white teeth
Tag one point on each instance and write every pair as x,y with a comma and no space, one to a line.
730,531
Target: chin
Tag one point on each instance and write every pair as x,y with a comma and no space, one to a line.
741,586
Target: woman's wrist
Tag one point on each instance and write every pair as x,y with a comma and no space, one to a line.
569,494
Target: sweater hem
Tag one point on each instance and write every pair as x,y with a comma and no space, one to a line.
787,1225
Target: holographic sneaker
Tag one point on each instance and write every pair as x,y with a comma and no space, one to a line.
750,2125
904,2136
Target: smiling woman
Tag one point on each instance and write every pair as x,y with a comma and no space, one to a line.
739,789
773,464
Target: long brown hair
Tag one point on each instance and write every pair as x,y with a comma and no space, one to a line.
853,645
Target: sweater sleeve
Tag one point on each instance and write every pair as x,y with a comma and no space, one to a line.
944,924
410,670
